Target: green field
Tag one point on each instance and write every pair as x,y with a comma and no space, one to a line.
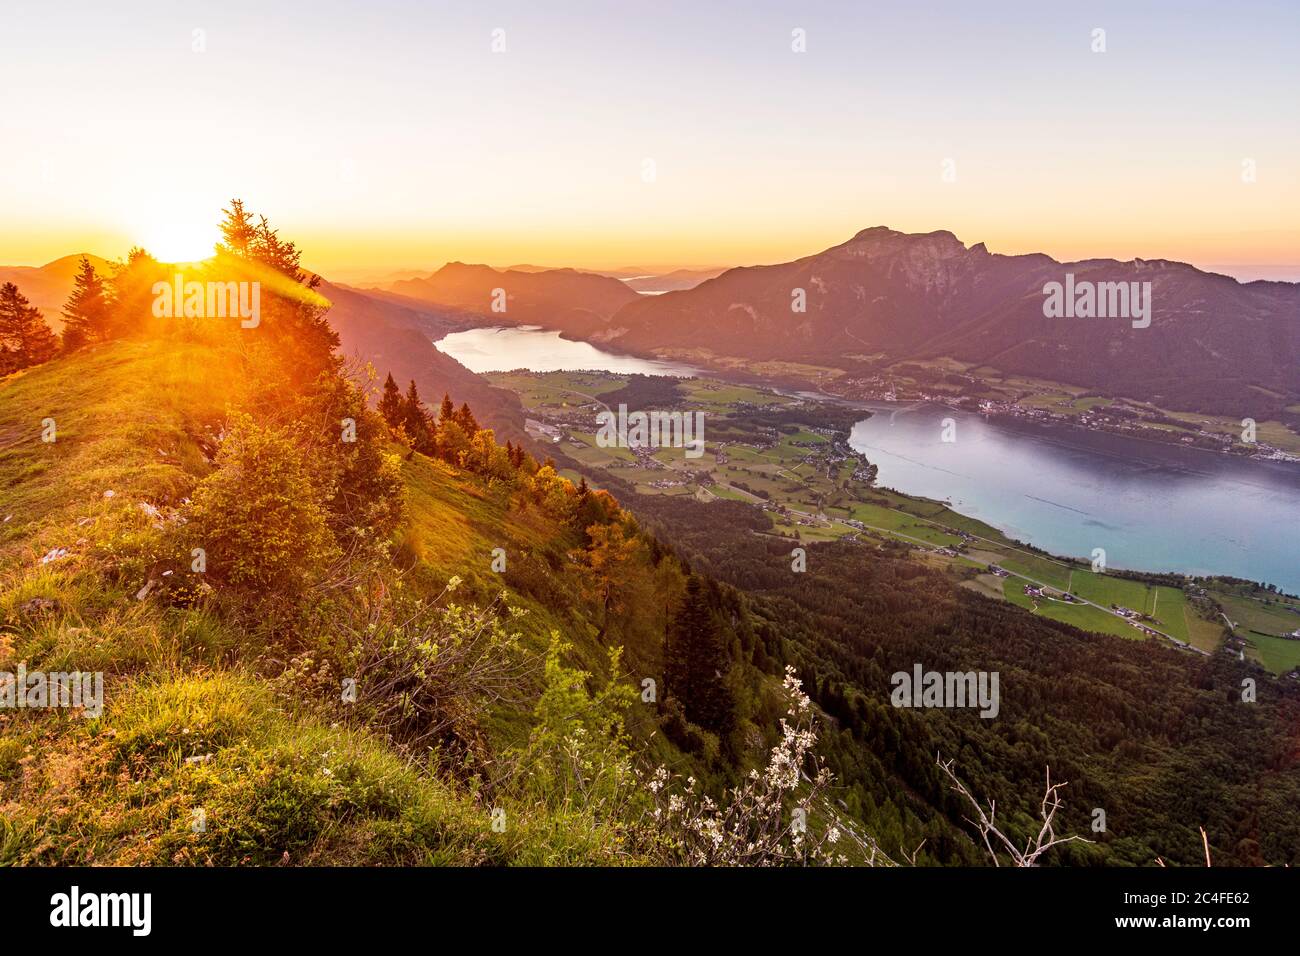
1259,624
1107,589
1277,654
905,524
1252,615
1080,615
1039,569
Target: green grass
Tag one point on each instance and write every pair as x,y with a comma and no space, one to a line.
1080,615
1260,622
278,775
721,396
1255,615
1106,589
271,788
1038,568
896,521
1278,654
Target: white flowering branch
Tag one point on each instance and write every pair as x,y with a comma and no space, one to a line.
764,821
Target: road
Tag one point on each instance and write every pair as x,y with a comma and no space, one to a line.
1014,574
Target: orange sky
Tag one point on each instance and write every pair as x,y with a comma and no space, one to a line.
429,146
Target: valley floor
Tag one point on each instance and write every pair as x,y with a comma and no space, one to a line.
815,488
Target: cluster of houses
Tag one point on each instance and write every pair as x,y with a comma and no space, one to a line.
1035,590
1135,619
1152,632
1096,419
542,430
833,453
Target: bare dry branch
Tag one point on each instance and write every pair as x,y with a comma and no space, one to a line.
989,832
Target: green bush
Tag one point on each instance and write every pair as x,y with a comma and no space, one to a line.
259,517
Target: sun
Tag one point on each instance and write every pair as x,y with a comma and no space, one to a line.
176,240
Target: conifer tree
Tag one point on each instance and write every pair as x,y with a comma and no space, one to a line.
24,337
696,660
465,418
294,318
130,292
416,422
390,405
447,412
86,314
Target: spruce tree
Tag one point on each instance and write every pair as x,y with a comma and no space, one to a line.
24,336
130,294
294,319
697,661
86,314
390,405
465,418
416,422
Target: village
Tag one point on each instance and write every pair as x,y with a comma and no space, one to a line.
1116,416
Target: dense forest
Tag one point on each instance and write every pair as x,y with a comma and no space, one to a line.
1159,740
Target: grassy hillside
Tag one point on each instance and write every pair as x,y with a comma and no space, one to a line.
213,717
252,611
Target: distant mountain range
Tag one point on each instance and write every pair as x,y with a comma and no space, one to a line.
675,281
532,289
47,286
577,302
1213,343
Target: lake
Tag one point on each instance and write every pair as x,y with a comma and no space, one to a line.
1152,507
528,346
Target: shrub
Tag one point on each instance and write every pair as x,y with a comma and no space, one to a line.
258,515
425,674
578,759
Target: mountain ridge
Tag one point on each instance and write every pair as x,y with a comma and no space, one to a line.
887,295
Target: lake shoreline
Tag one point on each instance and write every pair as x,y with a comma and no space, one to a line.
1052,523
